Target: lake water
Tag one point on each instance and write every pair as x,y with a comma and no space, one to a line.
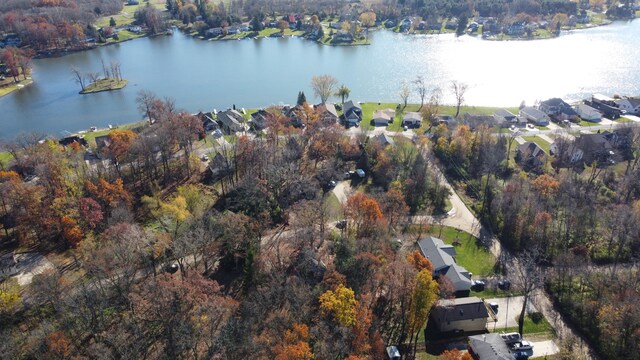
203,75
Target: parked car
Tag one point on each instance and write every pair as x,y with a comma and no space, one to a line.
477,285
171,268
504,285
494,307
342,224
205,157
360,173
331,184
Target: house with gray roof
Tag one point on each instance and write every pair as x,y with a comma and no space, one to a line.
328,113
412,119
504,115
535,116
558,109
385,140
351,108
383,117
489,347
442,257
231,121
468,314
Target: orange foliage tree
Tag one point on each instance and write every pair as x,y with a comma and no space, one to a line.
455,354
109,195
365,213
419,262
294,345
58,346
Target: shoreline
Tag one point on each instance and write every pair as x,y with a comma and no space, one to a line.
16,86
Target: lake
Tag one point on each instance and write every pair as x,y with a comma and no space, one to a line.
207,75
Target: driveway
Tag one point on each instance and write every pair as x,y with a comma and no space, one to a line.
544,348
342,191
29,265
507,314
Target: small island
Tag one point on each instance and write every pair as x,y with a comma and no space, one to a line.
104,84
111,79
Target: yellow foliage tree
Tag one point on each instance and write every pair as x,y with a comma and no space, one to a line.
341,304
425,294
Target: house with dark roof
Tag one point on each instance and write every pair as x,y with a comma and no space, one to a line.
297,116
505,116
102,142
383,117
530,156
558,109
79,139
412,119
475,121
442,257
231,121
469,314
260,119
208,124
8,265
596,147
489,347
351,108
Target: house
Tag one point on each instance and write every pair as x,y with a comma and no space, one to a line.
328,113
343,36
442,258
350,108
220,167
468,314
588,113
535,116
475,121
605,107
297,115
383,117
8,265
78,139
260,119
558,109
505,116
231,121
102,142
214,32
208,124
530,156
384,140
566,150
412,119
596,147
489,347
233,29
135,29
630,105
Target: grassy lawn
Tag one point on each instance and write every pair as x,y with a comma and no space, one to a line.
91,136
471,255
107,84
541,142
125,35
530,327
624,120
333,206
125,17
287,32
587,123
11,87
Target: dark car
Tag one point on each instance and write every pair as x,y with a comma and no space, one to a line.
504,285
171,268
477,285
494,307
342,224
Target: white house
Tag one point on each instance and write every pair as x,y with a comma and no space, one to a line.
588,113
535,116
383,117
631,106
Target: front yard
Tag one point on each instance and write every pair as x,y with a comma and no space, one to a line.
470,253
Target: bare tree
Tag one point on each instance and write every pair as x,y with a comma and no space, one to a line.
404,94
433,106
145,100
324,86
115,69
93,76
78,77
421,88
459,90
527,277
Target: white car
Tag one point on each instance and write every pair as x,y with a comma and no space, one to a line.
530,126
205,157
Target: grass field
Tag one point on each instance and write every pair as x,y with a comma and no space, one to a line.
541,142
5,157
531,327
11,86
126,16
471,255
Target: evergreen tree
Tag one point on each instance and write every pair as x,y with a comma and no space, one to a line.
301,98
